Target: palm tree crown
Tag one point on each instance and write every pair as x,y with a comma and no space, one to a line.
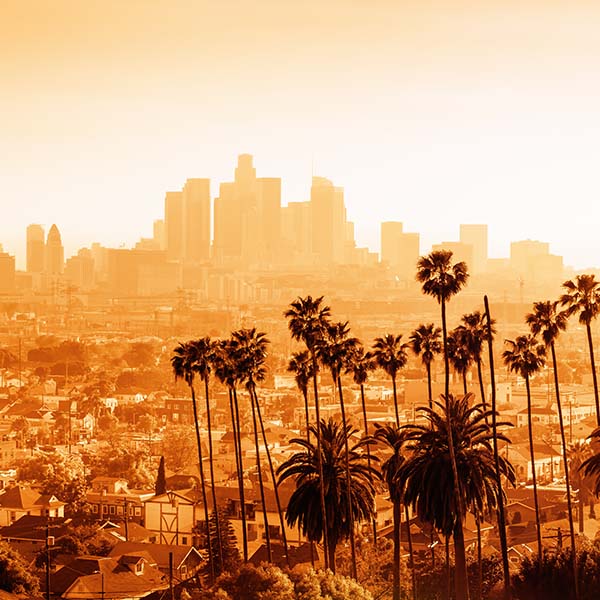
301,366
440,278
425,342
582,296
524,355
307,319
390,353
547,320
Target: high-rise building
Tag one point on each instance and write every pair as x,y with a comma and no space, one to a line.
55,253
174,232
477,236
531,260
7,273
196,220
328,216
79,270
399,250
461,252
296,233
158,234
36,249
248,218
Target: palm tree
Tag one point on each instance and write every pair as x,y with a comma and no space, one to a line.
203,350
476,330
578,453
442,280
360,366
394,438
583,297
425,342
304,507
526,356
336,351
227,372
307,321
183,365
390,355
301,365
424,476
548,321
250,349
459,353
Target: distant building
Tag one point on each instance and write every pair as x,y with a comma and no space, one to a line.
174,225
399,250
196,220
532,261
7,273
35,249
461,252
55,253
477,237
21,500
79,270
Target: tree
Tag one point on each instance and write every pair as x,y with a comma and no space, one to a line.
578,452
476,330
304,506
224,543
183,365
301,366
443,280
160,486
177,445
583,296
526,356
390,355
394,438
459,353
307,321
15,575
425,478
425,342
548,321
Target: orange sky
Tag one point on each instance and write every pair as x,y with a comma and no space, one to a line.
431,113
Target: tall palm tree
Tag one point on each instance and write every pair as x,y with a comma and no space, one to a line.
546,320
360,366
578,453
425,342
304,507
459,353
336,351
301,365
183,365
203,350
250,347
228,373
425,475
390,355
583,296
526,356
442,279
394,438
307,321
476,332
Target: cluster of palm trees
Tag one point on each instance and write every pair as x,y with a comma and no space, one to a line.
442,467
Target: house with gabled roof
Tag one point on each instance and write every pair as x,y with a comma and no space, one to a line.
21,500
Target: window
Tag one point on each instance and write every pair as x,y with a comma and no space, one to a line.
112,510
138,511
95,508
184,540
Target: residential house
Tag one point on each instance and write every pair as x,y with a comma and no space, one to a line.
20,500
111,498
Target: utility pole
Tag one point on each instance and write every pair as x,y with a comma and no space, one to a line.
171,590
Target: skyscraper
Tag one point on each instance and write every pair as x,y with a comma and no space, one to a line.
328,216
35,249
390,242
55,253
174,225
196,220
399,250
477,236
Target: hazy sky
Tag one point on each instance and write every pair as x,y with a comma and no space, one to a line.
430,113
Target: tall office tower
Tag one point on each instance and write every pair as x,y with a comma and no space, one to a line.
35,249
477,236
158,234
55,253
409,250
174,231
79,270
532,261
196,220
390,242
460,252
247,218
7,273
296,233
328,222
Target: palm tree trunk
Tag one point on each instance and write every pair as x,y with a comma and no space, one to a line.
501,517
235,416
260,479
429,392
461,582
366,426
395,401
464,378
212,474
326,546
273,479
532,456
594,378
396,567
348,481
481,388
211,559
448,570
460,576
413,571
306,413
566,467
479,560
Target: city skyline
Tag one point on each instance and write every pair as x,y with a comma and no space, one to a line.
433,114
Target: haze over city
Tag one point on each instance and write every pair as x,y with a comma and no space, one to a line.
429,113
